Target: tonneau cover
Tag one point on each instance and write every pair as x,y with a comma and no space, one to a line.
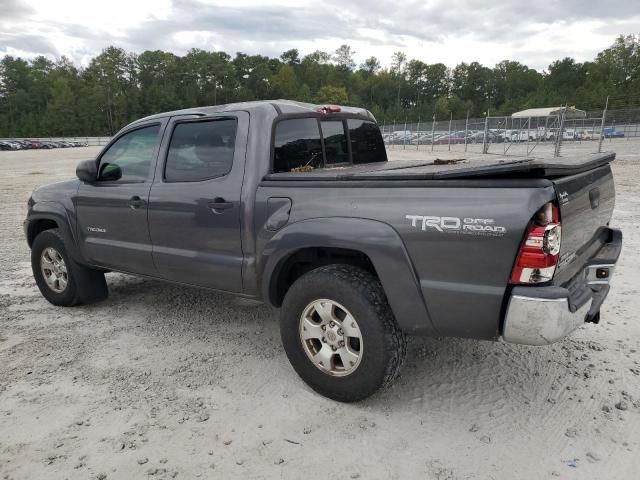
467,167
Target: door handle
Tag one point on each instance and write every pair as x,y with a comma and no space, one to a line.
218,205
135,202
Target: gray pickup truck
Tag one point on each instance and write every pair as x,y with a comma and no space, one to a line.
296,205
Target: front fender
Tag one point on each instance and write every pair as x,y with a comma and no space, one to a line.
47,210
379,241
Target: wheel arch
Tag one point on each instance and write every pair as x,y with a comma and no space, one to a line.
37,226
49,215
372,245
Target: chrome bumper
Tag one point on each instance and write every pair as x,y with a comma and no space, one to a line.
544,315
541,321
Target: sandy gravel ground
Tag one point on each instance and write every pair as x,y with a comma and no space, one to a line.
161,381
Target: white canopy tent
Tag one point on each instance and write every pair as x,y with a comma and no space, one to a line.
571,112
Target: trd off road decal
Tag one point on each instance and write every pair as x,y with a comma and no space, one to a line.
458,225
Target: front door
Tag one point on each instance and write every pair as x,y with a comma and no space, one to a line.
112,211
194,205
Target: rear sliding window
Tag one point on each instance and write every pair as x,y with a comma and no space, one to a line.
298,143
366,142
335,142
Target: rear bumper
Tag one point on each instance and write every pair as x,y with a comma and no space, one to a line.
544,315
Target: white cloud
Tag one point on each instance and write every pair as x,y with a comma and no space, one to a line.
448,31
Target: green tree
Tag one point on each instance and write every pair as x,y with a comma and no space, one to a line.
330,94
343,57
618,67
474,83
371,65
42,97
291,57
60,118
284,83
398,62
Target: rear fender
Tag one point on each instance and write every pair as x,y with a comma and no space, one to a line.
380,242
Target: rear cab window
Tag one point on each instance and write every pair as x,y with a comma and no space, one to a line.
367,145
297,145
335,142
305,144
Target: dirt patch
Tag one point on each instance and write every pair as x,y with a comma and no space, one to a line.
161,381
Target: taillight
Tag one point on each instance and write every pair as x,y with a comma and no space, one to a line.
538,256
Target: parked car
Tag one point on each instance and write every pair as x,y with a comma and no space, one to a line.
424,139
448,139
463,133
478,137
519,135
27,144
13,145
401,137
32,143
612,132
357,252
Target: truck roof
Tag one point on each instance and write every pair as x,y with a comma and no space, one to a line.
276,107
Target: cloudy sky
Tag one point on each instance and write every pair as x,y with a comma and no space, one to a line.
448,31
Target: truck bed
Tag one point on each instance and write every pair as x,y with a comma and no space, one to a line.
489,166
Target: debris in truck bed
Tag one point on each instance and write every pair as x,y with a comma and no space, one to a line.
304,168
447,161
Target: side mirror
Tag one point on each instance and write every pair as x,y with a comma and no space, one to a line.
87,171
110,172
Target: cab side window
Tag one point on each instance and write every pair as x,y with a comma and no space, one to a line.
200,150
129,159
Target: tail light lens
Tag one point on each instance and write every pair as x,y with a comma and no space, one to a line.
539,254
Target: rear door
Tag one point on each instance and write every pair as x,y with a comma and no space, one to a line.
194,205
586,202
112,212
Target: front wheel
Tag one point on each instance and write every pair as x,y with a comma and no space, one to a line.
62,281
339,333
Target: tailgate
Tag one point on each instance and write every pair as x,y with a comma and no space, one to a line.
586,202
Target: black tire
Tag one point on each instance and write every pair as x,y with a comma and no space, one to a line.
84,285
384,344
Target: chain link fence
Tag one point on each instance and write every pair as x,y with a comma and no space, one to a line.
537,136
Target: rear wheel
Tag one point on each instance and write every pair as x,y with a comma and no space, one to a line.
339,333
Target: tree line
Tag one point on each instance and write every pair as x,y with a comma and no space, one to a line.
41,97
